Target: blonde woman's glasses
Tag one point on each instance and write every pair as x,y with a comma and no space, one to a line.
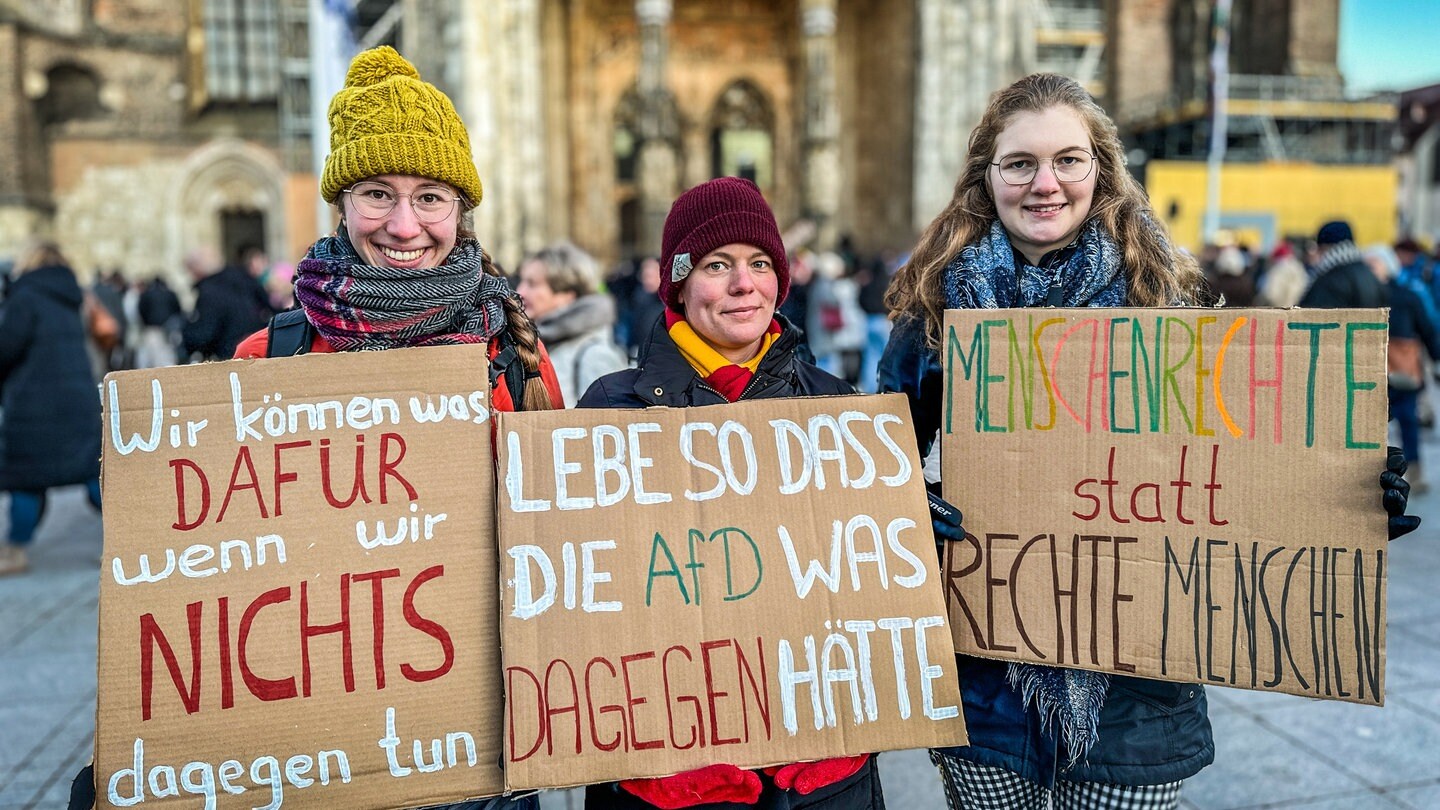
1070,166
431,204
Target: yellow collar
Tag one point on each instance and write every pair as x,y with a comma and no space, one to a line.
702,356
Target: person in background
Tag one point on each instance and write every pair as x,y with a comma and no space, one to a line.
108,290
1413,337
621,283
1417,274
1045,213
1233,280
1414,274
645,306
874,282
50,435
230,303
280,285
1413,261
796,306
835,326
1285,282
1342,280
160,314
723,273
560,287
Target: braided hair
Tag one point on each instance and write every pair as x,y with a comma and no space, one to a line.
535,397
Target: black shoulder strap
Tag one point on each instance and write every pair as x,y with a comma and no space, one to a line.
507,363
290,334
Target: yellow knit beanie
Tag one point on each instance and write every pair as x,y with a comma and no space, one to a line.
387,121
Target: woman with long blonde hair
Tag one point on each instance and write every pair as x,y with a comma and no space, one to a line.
1045,214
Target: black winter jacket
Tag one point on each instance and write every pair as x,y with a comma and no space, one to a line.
664,377
1344,286
1151,732
229,306
50,433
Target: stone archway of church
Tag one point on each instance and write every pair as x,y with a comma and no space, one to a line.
742,134
232,192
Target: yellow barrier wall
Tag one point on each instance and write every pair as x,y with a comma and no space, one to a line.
1297,198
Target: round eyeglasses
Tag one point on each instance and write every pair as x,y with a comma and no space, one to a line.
1070,166
431,204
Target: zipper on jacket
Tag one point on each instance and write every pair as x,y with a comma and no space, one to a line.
1056,296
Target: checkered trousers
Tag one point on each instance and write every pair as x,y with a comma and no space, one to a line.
971,786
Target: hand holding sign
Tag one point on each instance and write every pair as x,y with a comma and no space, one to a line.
1397,494
944,521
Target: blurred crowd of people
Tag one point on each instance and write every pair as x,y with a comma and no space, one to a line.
144,323
594,323
837,298
1331,271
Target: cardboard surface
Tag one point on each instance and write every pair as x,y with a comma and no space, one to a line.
753,583
297,597
1183,494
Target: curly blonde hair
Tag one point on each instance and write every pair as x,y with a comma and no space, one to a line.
1156,274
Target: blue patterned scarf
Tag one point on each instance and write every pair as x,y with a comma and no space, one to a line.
990,275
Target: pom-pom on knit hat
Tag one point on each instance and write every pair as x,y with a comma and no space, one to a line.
386,120
714,214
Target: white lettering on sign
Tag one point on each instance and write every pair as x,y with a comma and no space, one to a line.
194,561
828,441
357,413
530,603
842,660
625,462
127,786
857,527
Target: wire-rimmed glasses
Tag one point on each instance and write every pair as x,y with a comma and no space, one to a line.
373,200
1069,166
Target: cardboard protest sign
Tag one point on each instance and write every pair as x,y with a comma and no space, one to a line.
297,597
1183,494
753,583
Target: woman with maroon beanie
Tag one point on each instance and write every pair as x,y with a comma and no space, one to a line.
722,274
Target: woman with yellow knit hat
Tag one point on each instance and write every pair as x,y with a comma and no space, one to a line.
404,268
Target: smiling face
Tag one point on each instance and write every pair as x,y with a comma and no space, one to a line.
1044,214
399,239
729,299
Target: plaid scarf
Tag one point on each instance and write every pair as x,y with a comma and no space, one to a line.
989,275
361,307
719,373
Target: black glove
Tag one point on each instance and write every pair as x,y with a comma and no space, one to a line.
1396,494
945,522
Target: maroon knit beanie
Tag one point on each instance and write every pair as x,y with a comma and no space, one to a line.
723,211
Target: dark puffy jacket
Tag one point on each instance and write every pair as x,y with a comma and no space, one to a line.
228,306
1344,286
664,377
50,435
1151,732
